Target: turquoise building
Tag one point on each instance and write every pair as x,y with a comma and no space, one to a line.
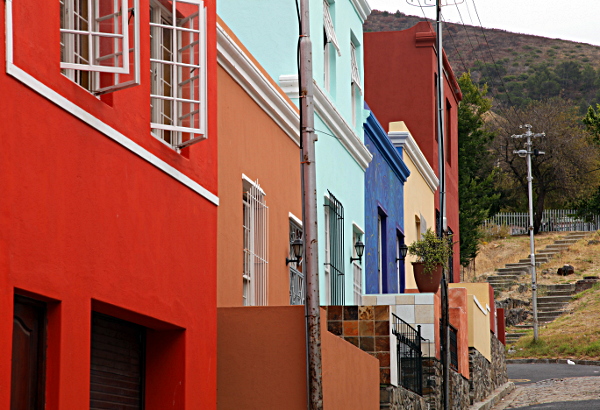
269,29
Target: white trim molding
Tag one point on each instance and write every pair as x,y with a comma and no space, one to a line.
405,140
242,69
332,118
479,305
78,112
363,8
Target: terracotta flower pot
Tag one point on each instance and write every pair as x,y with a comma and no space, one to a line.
427,282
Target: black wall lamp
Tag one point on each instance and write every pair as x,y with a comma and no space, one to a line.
297,248
359,247
403,252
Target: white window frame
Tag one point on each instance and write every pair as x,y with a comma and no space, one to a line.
255,243
184,92
355,87
79,32
329,27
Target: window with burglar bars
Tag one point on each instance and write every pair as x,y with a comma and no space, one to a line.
334,258
178,71
296,274
357,270
99,43
255,227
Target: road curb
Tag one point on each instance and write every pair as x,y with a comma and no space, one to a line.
553,361
494,398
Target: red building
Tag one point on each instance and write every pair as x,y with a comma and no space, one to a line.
108,176
400,85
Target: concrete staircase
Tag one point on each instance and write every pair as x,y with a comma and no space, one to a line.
505,278
550,306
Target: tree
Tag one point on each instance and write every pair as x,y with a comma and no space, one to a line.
592,122
475,174
566,169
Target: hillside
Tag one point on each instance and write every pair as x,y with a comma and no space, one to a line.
517,67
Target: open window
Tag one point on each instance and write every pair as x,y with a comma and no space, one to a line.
329,27
356,90
99,41
178,71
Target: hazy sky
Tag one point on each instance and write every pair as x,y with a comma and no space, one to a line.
575,20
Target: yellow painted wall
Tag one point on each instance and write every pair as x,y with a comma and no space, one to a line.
418,200
479,328
480,290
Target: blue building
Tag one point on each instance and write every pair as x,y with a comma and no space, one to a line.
269,30
384,212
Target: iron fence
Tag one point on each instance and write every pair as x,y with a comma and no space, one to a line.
453,348
410,357
553,220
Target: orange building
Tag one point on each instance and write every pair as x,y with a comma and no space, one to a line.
259,182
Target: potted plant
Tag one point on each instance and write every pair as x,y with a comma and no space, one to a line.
432,255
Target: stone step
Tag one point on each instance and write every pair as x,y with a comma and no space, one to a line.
516,266
559,287
551,306
554,299
550,316
510,273
565,241
524,326
559,293
502,279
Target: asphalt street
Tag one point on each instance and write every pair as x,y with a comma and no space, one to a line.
521,374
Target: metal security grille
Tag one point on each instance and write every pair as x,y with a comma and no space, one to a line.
296,274
453,347
410,357
329,28
177,58
255,230
335,245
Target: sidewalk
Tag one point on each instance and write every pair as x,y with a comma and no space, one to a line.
550,391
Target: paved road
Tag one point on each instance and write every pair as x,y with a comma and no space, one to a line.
534,372
553,387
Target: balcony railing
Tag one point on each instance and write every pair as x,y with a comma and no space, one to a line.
410,357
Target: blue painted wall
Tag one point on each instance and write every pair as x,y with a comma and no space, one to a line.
384,195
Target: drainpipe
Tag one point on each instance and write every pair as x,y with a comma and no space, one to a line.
309,214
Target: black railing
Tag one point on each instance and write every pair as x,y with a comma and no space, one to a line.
410,357
336,250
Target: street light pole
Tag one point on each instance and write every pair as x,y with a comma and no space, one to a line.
522,153
309,214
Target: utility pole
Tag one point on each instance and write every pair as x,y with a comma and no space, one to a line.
528,152
442,228
309,214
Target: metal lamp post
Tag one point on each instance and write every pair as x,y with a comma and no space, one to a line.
527,153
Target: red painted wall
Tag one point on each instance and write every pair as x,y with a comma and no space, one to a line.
400,69
87,225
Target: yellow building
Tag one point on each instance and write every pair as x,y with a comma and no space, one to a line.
419,191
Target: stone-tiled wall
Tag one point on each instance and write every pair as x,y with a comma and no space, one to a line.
368,328
415,309
433,388
486,376
397,398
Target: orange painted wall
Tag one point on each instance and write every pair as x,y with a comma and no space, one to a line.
262,363
400,69
251,143
87,225
457,301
